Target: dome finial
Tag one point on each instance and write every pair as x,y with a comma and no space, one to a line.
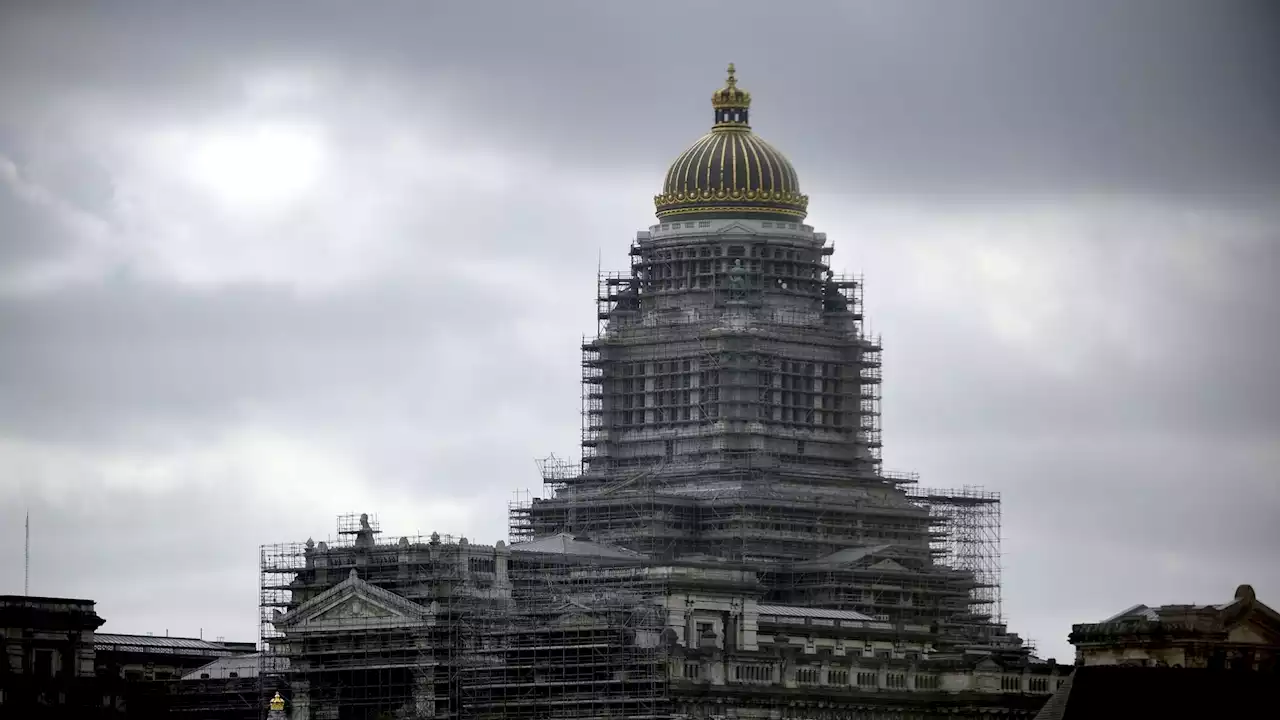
731,81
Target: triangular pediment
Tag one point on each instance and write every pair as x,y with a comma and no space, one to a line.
889,564
737,228
988,665
1256,628
353,603
576,620
355,607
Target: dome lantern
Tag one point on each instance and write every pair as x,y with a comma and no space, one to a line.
731,102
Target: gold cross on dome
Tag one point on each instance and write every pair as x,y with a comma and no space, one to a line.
732,81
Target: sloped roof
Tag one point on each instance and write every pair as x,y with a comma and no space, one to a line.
1104,692
242,666
803,612
845,557
1244,604
1137,612
157,645
566,544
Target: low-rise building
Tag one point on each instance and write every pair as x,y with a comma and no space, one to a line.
1242,633
47,666
148,657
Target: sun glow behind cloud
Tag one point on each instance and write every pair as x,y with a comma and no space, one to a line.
255,166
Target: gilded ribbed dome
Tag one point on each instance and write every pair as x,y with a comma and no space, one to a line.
730,172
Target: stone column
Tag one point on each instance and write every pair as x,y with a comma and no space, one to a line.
301,703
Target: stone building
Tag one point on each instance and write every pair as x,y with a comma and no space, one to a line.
57,665
568,627
729,545
1219,661
1242,633
732,411
48,660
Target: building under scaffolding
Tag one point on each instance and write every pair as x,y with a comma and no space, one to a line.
563,627
731,410
729,544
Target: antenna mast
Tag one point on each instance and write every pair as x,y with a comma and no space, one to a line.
26,559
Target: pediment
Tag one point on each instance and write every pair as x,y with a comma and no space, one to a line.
889,564
1254,629
351,604
737,228
354,607
988,665
575,620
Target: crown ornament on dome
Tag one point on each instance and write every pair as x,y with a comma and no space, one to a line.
731,96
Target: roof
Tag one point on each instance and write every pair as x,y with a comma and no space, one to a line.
1137,612
40,599
845,557
819,613
157,645
1186,619
566,544
1103,692
234,666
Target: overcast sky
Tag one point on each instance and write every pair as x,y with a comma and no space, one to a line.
262,264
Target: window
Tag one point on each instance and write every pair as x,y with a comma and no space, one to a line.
896,681
866,679
1039,684
42,663
692,671
753,673
926,682
1009,683
837,677
807,676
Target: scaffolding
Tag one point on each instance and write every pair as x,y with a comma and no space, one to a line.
376,664
661,376
967,538
581,640
480,631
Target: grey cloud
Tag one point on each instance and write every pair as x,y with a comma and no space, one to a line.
440,388
979,98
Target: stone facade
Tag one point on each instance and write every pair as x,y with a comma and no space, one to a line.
1240,634
566,625
47,668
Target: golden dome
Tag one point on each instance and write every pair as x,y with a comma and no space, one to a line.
730,171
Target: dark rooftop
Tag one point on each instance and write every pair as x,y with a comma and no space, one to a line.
30,599
1103,692
159,645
